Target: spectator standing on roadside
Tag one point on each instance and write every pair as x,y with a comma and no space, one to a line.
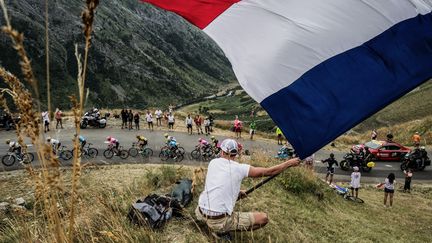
252,128
237,127
408,176
198,123
416,139
171,121
130,119
207,126
149,119
279,135
46,121
137,120
58,116
374,135
211,118
389,189
355,181
158,114
189,122
389,137
124,116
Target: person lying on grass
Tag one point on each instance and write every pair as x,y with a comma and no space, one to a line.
222,189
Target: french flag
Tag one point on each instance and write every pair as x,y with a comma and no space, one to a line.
318,67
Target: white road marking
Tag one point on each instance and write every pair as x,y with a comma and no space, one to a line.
390,166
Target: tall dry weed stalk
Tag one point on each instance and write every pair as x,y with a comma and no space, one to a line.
47,180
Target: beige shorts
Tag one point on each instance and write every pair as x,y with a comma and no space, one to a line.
237,221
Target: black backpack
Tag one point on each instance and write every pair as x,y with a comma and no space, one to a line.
153,211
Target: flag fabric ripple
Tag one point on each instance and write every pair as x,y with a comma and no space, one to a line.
319,67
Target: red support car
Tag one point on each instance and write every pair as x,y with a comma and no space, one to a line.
384,151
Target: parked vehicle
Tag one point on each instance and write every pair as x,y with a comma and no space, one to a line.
416,160
8,121
92,118
384,151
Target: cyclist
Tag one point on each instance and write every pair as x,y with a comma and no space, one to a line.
215,141
14,147
54,143
203,145
114,143
82,141
142,141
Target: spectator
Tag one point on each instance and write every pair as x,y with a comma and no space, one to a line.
124,117
188,123
149,119
211,118
237,127
309,161
137,120
252,128
355,181
207,126
389,189
279,135
408,176
374,135
198,123
416,139
158,114
46,121
389,137
58,116
130,119
330,169
171,121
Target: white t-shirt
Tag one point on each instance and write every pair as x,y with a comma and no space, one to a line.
389,185
355,179
149,117
189,120
206,122
222,185
45,116
158,113
171,118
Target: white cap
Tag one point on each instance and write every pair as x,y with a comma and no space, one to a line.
229,146
355,168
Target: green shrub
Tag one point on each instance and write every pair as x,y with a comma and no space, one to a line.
299,181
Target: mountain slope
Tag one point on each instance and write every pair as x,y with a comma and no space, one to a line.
140,55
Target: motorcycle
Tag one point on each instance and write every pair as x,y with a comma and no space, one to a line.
92,119
352,159
417,160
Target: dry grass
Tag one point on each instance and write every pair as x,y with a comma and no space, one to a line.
108,191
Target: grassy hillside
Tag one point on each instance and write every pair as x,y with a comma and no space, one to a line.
295,213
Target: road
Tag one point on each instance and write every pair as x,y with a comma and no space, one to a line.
156,141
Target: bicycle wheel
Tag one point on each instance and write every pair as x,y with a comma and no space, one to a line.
92,153
66,155
165,155
182,150
124,154
28,158
355,199
178,158
147,152
195,154
108,153
133,152
8,160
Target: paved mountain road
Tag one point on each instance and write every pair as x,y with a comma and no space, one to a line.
156,141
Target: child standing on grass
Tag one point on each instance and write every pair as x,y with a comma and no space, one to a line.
355,181
408,175
389,189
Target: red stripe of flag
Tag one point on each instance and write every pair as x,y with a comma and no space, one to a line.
199,12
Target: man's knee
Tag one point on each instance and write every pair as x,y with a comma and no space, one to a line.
261,219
